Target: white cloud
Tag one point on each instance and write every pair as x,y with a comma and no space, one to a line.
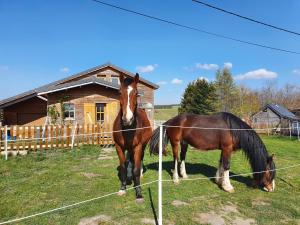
64,70
176,81
228,65
146,69
203,78
257,74
205,66
161,82
296,71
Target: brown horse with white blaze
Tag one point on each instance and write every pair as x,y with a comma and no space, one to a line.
222,131
132,132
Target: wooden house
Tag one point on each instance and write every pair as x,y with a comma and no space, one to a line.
88,97
276,118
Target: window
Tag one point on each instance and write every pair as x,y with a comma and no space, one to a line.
100,107
115,80
69,111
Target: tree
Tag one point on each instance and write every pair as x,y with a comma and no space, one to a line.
226,91
199,97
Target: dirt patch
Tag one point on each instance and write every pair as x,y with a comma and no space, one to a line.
104,157
241,221
91,175
229,209
108,150
259,202
96,220
148,221
178,203
209,218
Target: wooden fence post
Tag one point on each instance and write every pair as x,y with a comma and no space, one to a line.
73,136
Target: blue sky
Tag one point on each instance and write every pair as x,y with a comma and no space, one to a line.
42,41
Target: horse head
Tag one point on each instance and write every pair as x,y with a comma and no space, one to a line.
268,178
128,98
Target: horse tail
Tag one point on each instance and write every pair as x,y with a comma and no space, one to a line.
154,141
249,141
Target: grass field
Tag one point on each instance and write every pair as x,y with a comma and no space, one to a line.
165,114
42,181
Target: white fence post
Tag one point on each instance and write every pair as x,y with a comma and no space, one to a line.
290,129
160,175
6,152
298,131
73,136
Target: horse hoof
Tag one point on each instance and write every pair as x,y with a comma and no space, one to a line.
121,192
228,189
185,176
176,181
139,200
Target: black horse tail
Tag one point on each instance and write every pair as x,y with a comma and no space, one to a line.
249,141
154,141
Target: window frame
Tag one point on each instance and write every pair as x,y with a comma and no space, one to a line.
69,111
100,112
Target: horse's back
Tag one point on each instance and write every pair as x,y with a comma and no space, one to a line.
200,131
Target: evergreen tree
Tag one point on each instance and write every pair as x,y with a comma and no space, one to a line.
199,97
226,91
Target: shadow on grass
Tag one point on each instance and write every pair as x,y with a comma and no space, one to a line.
199,168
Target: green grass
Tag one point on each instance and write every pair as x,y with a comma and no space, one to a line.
165,114
46,180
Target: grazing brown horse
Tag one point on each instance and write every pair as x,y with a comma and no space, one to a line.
136,133
222,131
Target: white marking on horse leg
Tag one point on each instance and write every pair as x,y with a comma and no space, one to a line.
273,185
129,113
121,192
142,170
175,173
219,174
226,185
182,170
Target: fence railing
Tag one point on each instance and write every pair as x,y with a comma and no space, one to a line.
53,136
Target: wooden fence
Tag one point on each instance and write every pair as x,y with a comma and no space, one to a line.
54,136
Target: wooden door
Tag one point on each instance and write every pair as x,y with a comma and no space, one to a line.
112,110
89,113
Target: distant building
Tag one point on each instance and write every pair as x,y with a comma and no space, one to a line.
277,117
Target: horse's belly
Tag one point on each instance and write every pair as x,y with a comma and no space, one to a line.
203,142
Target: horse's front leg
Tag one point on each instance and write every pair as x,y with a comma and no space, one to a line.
137,151
183,151
122,169
175,147
224,170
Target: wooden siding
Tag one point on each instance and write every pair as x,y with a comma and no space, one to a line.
29,112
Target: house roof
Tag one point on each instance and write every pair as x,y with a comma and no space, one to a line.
78,83
61,85
281,111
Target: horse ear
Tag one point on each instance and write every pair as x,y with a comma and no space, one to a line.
271,158
121,78
136,78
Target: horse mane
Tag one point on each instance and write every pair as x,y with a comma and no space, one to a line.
250,142
154,141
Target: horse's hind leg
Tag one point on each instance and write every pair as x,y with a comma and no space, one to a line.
175,147
183,151
224,170
122,171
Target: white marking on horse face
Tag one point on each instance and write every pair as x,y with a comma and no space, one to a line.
129,113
